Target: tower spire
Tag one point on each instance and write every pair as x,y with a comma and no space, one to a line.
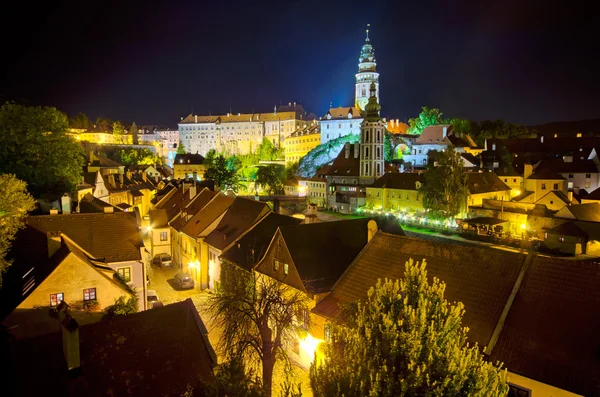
368,26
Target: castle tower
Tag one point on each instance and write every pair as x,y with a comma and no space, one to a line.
372,133
366,75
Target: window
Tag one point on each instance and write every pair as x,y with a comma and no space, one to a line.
163,236
556,186
285,268
588,175
505,180
89,294
561,239
517,391
543,186
276,264
55,299
125,273
587,185
514,180
570,175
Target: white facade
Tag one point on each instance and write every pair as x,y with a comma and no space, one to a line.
340,122
366,75
372,164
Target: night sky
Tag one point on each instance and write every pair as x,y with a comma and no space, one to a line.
154,61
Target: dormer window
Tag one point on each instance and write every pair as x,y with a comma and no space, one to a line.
350,115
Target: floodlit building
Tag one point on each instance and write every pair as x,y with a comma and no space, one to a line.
302,141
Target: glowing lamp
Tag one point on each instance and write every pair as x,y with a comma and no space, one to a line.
309,344
149,228
523,226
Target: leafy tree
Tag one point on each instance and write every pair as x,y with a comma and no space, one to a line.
119,132
218,172
389,147
266,151
258,316
291,170
80,121
181,148
406,339
35,147
135,156
135,133
15,202
271,178
210,156
103,122
426,118
123,307
444,189
499,129
231,379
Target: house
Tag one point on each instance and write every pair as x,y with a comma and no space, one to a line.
129,355
106,166
344,190
582,212
189,165
544,186
593,197
396,192
579,174
295,186
49,268
574,238
111,238
301,141
549,346
90,204
240,216
485,185
339,122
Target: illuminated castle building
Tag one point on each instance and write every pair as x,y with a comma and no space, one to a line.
366,75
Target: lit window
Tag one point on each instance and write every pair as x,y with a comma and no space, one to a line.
55,299
89,294
561,239
543,186
163,236
556,186
276,265
285,268
125,273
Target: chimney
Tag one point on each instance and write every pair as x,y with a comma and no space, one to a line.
53,211
356,150
145,177
444,131
371,229
65,203
570,196
111,179
109,210
70,339
129,174
195,118
54,242
275,110
347,150
527,171
193,191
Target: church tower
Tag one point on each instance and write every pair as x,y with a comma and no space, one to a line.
366,75
372,133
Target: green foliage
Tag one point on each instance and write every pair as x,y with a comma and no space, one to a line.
444,189
181,148
134,133
15,203
209,158
426,118
499,129
35,148
232,379
323,154
91,305
266,151
119,132
389,147
218,171
271,178
123,307
80,121
135,156
406,339
291,170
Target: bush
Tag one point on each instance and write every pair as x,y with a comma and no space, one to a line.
123,307
91,305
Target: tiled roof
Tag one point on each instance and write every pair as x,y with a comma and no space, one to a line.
545,174
481,278
158,352
343,166
522,196
188,158
594,195
175,202
559,166
207,215
552,332
249,249
307,130
242,214
568,229
113,237
200,201
401,181
322,251
434,134
158,218
90,204
342,113
582,212
485,182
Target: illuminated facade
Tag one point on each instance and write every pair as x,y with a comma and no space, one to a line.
302,141
366,75
372,131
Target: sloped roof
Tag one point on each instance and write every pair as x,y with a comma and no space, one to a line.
485,182
481,278
343,166
207,215
158,218
307,130
242,214
545,174
400,181
188,158
177,201
552,332
568,229
249,249
559,195
158,352
559,166
594,195
90,204
200,201
582,212
434,134
113,237
342,113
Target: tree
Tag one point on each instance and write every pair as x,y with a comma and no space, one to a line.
291,170
426,118
266,151
218,172
181,148
35,147
123,307
444,189
135,156
209,158
258,317
119,132
80,122
135,133
271,178
406,339
499,129
15,202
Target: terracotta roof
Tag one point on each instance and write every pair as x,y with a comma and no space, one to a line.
545,174
343,166
90,204
207,215
552,332
175,202
158,218
485,182
129,355
112,237
242,214
200,201
342,113
306,130
434,134
400,181
250,248
481,278
522,196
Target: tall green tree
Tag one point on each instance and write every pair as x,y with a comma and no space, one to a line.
266,151
80,121
258,317
218,171
426,118
271,178
499,129
181,148
119,132
35,147
406,339
15,203
444,189
135,133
